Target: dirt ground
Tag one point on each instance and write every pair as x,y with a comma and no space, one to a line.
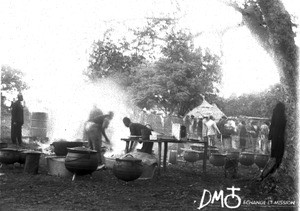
181,187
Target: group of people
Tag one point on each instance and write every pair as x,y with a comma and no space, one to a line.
97,124
253,135
270,134
203,128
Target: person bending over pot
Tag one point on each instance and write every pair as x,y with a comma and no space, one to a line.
137,129
94,129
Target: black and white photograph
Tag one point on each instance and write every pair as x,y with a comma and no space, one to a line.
142,105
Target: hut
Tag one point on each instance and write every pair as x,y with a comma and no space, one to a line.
206,109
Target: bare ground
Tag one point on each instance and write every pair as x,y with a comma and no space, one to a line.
179,188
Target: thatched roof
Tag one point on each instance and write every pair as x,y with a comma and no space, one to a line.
206,109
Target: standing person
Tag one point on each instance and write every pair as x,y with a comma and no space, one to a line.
137,129
254,131
187,123
204,128
93,113
199,128
264,132
94,129
212,130
243,134
277,130
17,120
193,125
276,135
221,126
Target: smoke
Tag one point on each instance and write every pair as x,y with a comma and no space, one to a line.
68,103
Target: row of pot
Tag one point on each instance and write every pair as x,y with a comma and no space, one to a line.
218,159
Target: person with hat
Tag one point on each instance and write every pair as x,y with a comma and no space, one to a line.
17,121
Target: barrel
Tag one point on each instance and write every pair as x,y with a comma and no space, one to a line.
39,124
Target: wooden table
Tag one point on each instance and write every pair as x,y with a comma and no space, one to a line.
159,141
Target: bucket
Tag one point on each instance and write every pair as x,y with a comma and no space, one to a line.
173,156
39,124
56,166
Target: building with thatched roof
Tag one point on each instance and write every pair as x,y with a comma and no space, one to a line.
206,109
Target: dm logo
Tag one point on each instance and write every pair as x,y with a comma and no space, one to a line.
220,196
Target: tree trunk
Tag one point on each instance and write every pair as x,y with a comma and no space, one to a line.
272,25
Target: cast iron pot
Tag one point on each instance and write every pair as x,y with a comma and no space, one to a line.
81,161
61,147
261,160
9,155
128,168
190,155
217,159
246,158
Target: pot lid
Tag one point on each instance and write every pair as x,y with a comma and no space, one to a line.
129,158
82,150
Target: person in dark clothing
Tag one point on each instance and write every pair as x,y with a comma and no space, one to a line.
17,120
199,128
254,131
94,129
243,136
276,135
277,130
137,129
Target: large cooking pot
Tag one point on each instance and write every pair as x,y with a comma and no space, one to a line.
9,155
128,168
190,155
61,147
261,160
246,158
217,159
81,160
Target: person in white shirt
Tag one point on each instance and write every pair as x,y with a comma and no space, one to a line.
212,131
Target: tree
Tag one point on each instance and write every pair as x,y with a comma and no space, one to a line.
257,105
11,83
109,59
271,24
176,82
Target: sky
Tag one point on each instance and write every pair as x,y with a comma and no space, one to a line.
50,42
